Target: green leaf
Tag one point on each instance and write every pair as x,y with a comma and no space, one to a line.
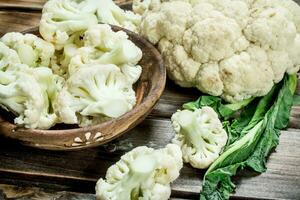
203,101
218,185
229,109
278,118
257,139
250,116
235,128
224,110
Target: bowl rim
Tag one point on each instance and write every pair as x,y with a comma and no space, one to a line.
149,101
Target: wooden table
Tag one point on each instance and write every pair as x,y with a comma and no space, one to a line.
27,173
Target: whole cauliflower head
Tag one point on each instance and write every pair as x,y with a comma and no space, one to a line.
104,46
32,50
29,94
143,173
200,135
236,49
95,91
62,18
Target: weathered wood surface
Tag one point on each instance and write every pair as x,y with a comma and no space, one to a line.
22,4
32,4
78,171
33,193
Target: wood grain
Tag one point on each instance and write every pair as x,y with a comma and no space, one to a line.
78,171
22,4
33,4
34,193
17,21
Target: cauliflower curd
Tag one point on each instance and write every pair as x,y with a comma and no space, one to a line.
88,81
95,91
200,135
61,19
236,49
143,173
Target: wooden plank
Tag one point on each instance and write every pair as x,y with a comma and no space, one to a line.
33,4
79,170
22,4
17,21
26,193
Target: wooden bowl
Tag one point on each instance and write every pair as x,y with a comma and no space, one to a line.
148,91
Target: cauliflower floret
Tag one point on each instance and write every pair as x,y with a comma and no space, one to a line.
205,42
104,46
214,39
209,79
62,18
247,74
280,63
95,91
143,173
200,135
99,45
29,93
8,57
173,24
294,55
108,12
140,7
237,9
32,50
271,28
61,59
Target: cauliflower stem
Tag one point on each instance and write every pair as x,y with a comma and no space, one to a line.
200,136
141,174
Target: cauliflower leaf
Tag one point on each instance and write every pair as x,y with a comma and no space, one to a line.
257,139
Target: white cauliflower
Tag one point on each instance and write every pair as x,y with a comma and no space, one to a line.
104,46
32,50
200,135
29,93
98,90
8,57
108,12
61,59
236,49
143,173
62,18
